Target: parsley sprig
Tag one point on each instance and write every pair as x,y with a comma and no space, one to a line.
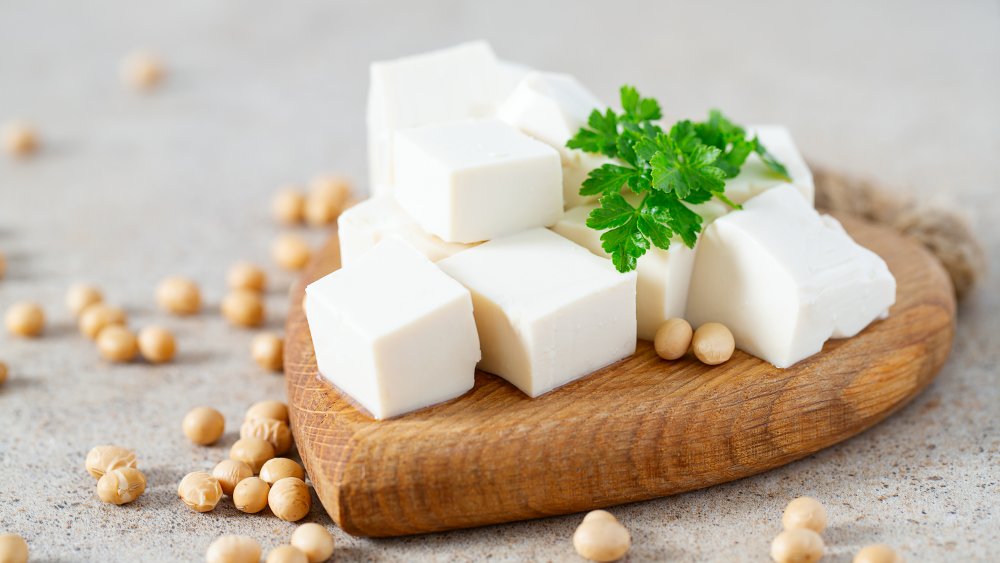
689,164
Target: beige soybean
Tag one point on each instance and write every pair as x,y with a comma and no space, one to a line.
179,296
804,512
230,472
600,537
117,344
253,451
121,486
268,409
3,373
278,468
81,296
276,432
200,491
101,459
286,554
157,344
878,553
268,351
328,196
243,308
289,499
250,495
20,139
313,540
289,205
331,186
673,339
97,316
233,549
797,546
25,319
291,252
203,425
244,275
713,343
13,549
142,71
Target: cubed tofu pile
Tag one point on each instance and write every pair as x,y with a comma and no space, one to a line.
473,250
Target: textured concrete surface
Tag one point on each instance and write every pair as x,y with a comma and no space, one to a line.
132,188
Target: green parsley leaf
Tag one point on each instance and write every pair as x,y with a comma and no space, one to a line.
638,109
687,165
614,211
609,178
653,223
625,244
680,218
680,172
601,137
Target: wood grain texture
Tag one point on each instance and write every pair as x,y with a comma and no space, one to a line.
639,429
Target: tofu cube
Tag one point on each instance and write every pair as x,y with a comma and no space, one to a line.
662,276
393,332
547,310
471,181
460,82
366,224
551,108
784,279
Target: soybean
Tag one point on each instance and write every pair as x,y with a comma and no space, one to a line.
797,546
713,343
203,425
289,499
673,339
313,540
121,486
250,495
200,491
600,537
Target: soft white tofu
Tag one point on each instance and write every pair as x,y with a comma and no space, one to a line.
551,108
785,279
459,82
366,224
663,276
471,181
511,73
393,332
547,310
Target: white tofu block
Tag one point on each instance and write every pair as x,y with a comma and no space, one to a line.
663,276
784,279
548,311
393,332
551,108
364,225
471,181
755,177
459,82
511,73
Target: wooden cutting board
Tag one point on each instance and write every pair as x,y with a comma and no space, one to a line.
639,429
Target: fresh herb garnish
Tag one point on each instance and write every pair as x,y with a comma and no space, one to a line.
689,164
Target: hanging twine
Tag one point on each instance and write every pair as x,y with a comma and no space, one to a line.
945,231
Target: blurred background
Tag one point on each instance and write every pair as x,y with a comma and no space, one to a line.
131,187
